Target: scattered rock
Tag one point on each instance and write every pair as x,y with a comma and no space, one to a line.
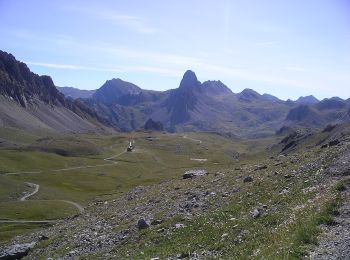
248,179
334,142
156,222
183,255
225,194
43,237
255,213
260,167
142,224
179,225
224,235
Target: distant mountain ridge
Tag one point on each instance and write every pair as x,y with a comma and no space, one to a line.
76,93
193,106
209,106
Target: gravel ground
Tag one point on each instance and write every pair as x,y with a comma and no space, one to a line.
335,242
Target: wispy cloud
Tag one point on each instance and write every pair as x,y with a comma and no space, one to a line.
134,23
297,69
168,64
129,21
265,43
157,70
59,66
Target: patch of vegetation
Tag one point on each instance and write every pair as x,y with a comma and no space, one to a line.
340,186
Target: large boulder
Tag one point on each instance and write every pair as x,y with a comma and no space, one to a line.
16,251
151,125
194,173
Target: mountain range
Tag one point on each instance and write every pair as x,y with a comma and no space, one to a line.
211,106
32,101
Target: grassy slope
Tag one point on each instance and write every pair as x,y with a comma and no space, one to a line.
284,233
152,161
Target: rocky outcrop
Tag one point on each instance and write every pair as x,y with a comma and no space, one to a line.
16,251
151,125
194,173
38,95
183,99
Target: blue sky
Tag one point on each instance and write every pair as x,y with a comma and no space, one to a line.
286,48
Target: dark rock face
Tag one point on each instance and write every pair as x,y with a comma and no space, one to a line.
151,125
189,80
183,100
22,85
25,87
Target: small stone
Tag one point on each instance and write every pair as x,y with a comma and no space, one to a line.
142,224
255,213
179,225
156,222
224,235
248,179
260,167
42,237
225,194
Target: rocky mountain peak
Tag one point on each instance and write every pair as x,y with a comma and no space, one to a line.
113,90
307,100
215,87
189,80
248,94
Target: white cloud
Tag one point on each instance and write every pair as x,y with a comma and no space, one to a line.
297,69
134,23
59,66
131,22
157,70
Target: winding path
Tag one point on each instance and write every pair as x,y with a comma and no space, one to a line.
36,189
194,140
78,206
109,159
